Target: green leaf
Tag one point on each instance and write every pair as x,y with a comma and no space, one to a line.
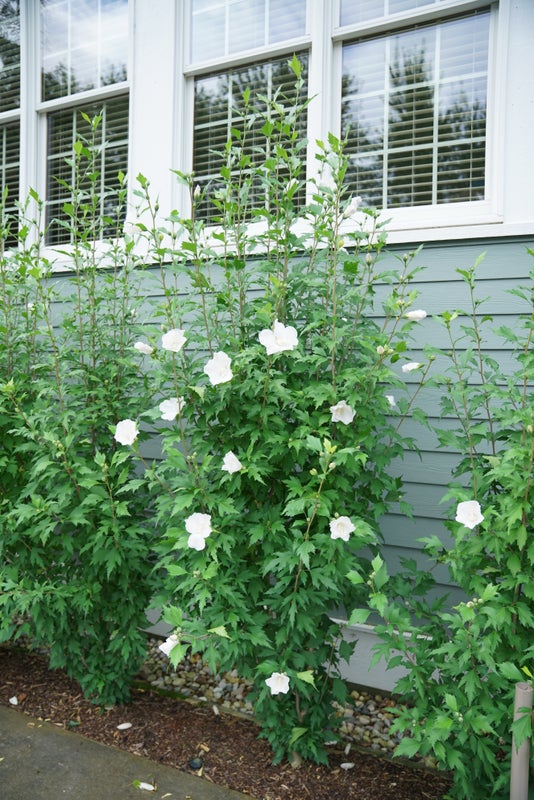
307,677
219,630
451,702
359,616
296,733
178,653
510,671
355,577
173,616
407,747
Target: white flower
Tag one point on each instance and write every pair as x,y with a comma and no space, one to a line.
342,412
173,340
278,683
199,528
341,528
411,366
417,315
353,206
391,400
381,350
168,644
171,408
231,463
279,339
143,347
468,513
218,368
126,431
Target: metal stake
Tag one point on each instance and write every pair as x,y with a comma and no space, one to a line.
521,757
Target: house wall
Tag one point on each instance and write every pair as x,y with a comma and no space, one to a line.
506,266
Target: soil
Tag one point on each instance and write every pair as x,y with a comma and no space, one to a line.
227,750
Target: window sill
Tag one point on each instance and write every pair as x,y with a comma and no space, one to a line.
449,233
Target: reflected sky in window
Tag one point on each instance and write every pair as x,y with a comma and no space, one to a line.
84,45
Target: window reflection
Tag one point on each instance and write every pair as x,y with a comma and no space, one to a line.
84,45
9,54
353,12
225,27
414,112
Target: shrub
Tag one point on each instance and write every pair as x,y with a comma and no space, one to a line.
75,567
463,662
273,377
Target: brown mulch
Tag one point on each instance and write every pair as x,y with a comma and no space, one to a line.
173,731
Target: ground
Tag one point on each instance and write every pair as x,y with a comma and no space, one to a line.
221,748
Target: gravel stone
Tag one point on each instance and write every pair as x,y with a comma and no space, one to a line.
366,717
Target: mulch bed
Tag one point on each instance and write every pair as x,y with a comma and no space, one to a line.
173,731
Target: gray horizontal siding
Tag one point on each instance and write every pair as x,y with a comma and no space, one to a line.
506,266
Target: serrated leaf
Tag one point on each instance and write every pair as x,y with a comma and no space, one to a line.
307,677
451,702
219,630
355,577
359,616
407,747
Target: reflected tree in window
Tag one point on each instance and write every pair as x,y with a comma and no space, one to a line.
366,166
414,114
9,55
462,154
410,131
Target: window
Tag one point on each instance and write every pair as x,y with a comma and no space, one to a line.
82,63
231,29
110,145
414,114
9,107
366,10
223,27
404,81
84,46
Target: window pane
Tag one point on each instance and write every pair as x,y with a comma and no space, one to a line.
414,111
9,173
354,12
9,55
224,27
84,45
218,106
67,126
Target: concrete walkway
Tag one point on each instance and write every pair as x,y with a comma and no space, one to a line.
39,761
